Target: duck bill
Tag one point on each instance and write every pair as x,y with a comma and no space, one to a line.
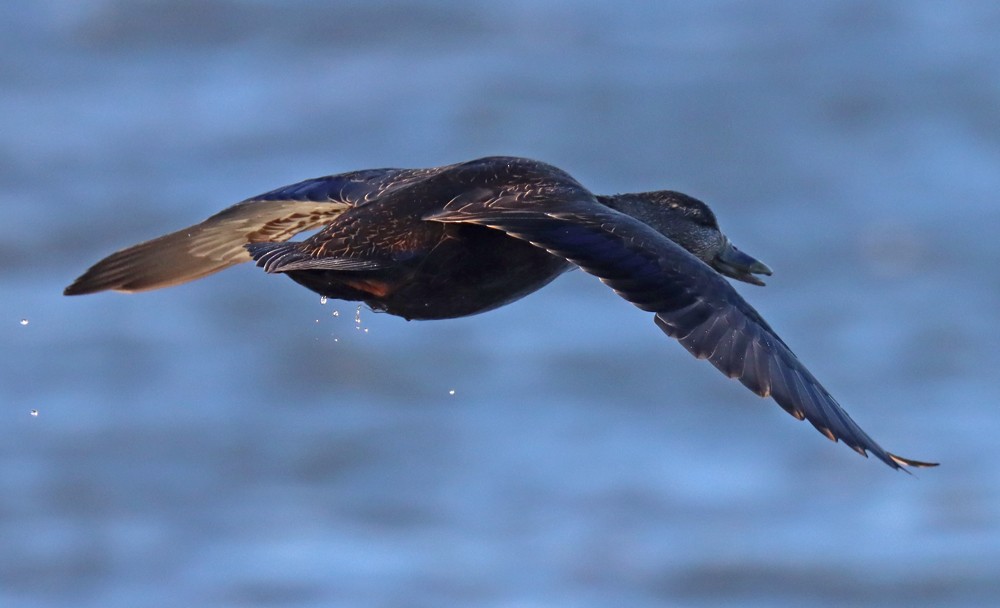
735,264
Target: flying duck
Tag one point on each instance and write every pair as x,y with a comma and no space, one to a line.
461,239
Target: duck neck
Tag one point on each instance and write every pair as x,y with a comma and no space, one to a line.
629,204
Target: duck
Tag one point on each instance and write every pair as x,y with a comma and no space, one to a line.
462,239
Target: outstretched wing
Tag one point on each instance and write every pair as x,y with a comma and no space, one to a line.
691,301
219,241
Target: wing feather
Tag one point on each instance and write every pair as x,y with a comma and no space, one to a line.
692,303
220,241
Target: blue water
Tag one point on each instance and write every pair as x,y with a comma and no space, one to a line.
233,443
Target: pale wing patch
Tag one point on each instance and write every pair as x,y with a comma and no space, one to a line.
204,248
259,222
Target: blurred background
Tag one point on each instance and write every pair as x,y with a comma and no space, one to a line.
235,442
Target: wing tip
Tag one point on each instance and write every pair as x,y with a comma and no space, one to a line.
76,288
92,281
896,462
909,462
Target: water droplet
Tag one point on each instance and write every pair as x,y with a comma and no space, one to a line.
451,392
34,413
24,321
336,339
357,318
366,330
322,299
336,313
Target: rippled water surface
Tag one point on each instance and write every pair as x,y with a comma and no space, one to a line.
234,442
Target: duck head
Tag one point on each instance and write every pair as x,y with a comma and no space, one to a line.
691,224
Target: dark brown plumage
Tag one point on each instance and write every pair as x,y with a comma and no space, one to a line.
466,238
